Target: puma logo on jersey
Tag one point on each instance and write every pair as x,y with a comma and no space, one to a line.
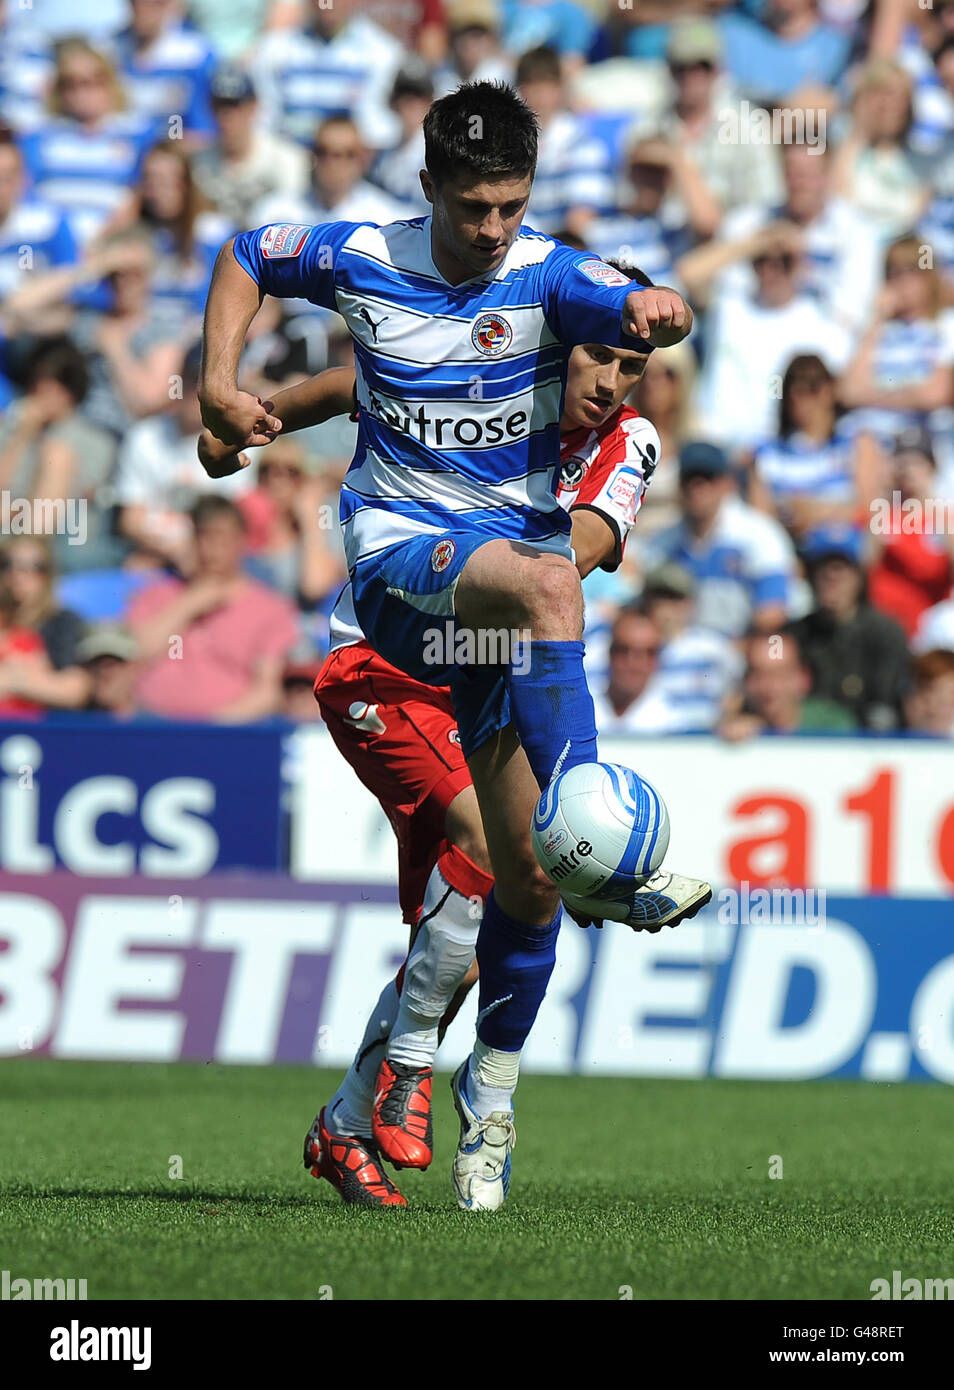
374,326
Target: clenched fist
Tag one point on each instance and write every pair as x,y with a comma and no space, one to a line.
660,316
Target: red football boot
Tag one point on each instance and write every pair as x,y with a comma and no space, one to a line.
353,1166
401,1120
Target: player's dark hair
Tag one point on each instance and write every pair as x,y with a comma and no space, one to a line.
212,507
482,131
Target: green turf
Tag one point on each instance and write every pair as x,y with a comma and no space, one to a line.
659,1186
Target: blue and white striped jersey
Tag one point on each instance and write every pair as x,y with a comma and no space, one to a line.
34,236
798,466
87,174
460,387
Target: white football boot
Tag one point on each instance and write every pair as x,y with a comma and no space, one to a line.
482,1162
662,901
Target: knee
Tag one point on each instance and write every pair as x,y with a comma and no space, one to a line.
528,895
553,598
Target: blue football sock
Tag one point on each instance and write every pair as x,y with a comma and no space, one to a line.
552,707
516,961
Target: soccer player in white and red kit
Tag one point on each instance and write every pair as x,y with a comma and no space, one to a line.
400,736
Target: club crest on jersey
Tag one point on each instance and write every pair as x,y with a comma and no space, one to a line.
491,335
282,240
602,274
572,472
441,556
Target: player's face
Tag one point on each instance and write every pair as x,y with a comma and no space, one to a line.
475,225
598,380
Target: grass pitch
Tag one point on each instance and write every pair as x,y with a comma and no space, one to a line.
661,1188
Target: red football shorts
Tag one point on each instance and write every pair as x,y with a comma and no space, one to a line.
401,738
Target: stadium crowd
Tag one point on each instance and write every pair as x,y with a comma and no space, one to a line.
787,164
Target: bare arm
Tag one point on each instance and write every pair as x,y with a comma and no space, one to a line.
231,415
593,539
307,403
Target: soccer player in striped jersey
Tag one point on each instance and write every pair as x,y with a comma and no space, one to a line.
400,736
463,323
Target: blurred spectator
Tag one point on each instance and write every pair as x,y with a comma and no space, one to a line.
777,694
186,239
85,158
742,561
22,654
234,27
27,579
246,162
936,628
167,67
638,232
929,709
26,60
160,479
420,26
752,340
573,180
338,60
785,48
28,223
698,668
664,396
841,266
474,46
213,647
815,471
108,656
933,102
631,702
51,452
131,349
858,656
736,172
298,693
289,519
874,166
563,25
398,170
338,191
902,374
913,566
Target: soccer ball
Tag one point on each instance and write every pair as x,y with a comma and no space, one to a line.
599,830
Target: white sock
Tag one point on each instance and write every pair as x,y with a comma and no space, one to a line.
442,953
491,1079
349,1110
